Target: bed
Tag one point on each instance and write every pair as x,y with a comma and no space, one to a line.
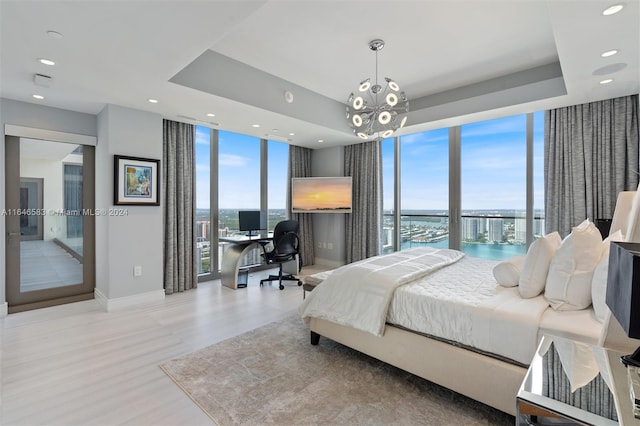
453,324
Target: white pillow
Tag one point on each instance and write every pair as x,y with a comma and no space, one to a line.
533,275
507,272
571,271
599,281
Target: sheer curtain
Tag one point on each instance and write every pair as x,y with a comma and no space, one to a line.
178,162
300,166
363,162
591,154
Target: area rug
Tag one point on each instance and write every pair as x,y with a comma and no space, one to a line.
273,375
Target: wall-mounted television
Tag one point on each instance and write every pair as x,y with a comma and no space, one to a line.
321,195
251,220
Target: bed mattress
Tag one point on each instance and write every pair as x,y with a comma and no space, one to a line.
463,303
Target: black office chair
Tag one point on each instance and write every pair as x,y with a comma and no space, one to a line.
286,243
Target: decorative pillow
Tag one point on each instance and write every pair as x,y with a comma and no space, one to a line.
599,281
507,272
533,275
569,281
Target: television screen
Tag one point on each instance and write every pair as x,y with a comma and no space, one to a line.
321,195
251,220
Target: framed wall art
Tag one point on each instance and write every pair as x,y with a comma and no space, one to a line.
136,181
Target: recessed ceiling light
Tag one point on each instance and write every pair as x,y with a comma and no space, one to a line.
211,115
275,130
320,140
54,34
612,9
255,125
153,101
46,61
292,134
609,53
40,97
607,81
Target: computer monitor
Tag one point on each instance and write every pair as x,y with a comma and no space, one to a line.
251,220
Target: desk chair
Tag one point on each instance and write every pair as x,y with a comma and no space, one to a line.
286,243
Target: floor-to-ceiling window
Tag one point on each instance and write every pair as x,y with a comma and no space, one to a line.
499,206
424,189
203,146
388,151
493,187
229,178
538,174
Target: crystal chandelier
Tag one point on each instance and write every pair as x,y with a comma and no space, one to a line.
374,112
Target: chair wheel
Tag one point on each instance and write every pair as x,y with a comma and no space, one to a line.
281,287
299,283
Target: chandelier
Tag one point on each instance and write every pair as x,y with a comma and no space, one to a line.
376,112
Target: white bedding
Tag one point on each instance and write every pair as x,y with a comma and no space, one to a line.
463,303
358,294
575,325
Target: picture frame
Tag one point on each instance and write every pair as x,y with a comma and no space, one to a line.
136,181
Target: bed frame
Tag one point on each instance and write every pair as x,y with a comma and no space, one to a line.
480,377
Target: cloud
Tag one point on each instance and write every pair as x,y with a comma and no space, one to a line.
232,160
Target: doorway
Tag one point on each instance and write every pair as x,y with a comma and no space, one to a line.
50,244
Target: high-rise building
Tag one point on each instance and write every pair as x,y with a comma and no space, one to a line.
496,230
520,230
470,229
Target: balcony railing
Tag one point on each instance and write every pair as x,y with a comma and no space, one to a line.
493,236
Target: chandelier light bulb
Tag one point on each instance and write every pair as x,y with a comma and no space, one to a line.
378,110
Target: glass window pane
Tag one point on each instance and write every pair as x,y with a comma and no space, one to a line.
388,192
493,181
424,159
203,185
238,178
538,174
238,185
277,166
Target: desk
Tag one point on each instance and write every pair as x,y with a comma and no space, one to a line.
233,255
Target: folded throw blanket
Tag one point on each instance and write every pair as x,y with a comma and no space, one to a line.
358,294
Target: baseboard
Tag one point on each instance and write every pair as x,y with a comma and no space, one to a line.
120,303
4,309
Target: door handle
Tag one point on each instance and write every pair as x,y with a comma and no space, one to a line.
13,234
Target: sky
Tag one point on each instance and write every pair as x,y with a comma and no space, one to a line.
493,163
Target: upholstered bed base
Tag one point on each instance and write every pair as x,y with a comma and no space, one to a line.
480,377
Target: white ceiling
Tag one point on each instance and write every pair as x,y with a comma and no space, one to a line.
459,61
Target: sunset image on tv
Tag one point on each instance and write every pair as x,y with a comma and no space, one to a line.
318,195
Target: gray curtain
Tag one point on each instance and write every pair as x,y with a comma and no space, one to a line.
300,166
363,162
594,397
178,165
591,154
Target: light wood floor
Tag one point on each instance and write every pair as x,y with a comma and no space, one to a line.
78,365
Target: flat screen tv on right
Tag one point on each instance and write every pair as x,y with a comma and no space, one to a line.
321,195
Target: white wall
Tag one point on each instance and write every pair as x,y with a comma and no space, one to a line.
329,228
122,242
135,239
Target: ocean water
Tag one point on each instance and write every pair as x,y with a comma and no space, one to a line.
485,251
